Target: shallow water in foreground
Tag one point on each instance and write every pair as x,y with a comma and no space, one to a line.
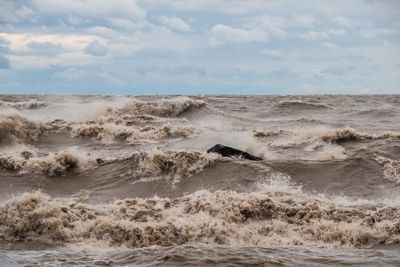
125,181
206,255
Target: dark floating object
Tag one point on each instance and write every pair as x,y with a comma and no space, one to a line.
227,151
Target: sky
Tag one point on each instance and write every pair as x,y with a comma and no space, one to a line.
200,46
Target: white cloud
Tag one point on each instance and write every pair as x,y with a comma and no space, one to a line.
268,24
10,12
20,42
237,35
45,48
272,54
44,45
48,50
146,34
158,39
128,24
103,31
175,23
4,43
74,20
344,22
110,79
71,74
319,35
313,35
96,49
336,32
262,27
303,20
4,62
92,8
225,6
374,32
328,45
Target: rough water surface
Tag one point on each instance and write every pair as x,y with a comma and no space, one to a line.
126,181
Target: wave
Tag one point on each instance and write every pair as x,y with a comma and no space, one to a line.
58,126
136,120
321,142
349,135
344,135
264,133
170,164
161,108
53,164
64,126
153,163
23,105
265,217
375,113
391,168
15,129
325,134
111,133
298,105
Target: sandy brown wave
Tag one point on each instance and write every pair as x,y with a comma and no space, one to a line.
111,132
16,129
298,105
150,163
391,168
162,108
325,134
23,105
261,218
53,164
349,134
172,164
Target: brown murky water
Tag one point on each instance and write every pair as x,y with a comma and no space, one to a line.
126,181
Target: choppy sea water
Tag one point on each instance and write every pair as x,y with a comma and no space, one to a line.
126,181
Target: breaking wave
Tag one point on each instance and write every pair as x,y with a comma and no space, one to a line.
298,105
85,151
110,132
162,108
23,105
325,134
53,164
136,120
349,134
15,129
153,163
165,107
272,133
391,168
265,217
344,135
170,164
375,113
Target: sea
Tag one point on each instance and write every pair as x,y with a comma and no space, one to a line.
107,180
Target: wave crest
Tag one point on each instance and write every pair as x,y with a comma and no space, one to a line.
54,164
162,108
173,164
349,135
261,218
325,134
111,133
391,168
15,128
263,133
298,105
23,105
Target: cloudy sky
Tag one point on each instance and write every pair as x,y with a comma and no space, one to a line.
199,46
